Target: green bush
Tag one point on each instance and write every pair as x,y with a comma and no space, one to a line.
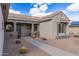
23,50
18,41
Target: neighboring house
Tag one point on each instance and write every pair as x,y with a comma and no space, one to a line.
74,28
50,26
3,17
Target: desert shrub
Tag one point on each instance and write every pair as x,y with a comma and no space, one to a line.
23,50
44,38
76,35
18,41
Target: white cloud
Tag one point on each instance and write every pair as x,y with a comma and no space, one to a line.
74,17
40,10
39,3
48,13
73,7
35,6
65,11
37,12
14,11
41,14
43,7
70,10
34,11
43,3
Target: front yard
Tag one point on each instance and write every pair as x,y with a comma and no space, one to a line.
12,49
70,44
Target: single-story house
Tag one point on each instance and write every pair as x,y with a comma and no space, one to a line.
74,28
3,17
50,26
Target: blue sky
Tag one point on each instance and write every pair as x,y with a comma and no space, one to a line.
43,9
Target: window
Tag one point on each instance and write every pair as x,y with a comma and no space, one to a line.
9,26
61,27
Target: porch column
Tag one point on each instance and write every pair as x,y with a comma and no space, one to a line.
15,32
14,26
32,28
61,27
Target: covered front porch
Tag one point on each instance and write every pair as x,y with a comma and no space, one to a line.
13,29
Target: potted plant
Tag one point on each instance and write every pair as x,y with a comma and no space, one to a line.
18,40
18,36
33,35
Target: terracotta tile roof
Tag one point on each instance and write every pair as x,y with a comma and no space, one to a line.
33,18
50,16
22,17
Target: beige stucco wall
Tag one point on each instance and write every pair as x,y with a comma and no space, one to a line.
13,33
54,27
67,30
49,29
60,18
45,29
1,31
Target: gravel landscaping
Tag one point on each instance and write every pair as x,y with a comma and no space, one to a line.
12,49
70,44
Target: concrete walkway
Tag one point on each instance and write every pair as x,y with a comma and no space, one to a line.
47,48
